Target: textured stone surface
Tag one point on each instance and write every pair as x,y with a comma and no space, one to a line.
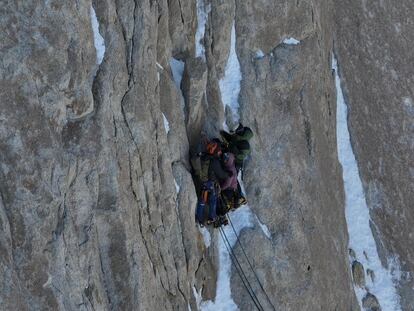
182,26
374,43
293,179
194,90
370,303
221,21
90,215
371,274
358,273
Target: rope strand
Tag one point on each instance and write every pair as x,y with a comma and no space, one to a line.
251,267
240,271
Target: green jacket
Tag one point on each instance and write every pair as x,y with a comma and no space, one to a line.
238,144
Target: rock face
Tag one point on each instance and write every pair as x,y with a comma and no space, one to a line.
90,217
374,43
97,199
370,303
288,100
358,273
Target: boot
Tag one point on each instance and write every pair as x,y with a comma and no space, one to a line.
242,200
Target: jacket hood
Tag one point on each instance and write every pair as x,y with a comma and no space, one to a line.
246,134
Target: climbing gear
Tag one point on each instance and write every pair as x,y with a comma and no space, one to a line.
240,271
237,142
230,201
202,156
201,211
220,221
200,159
207,161
242,200
250,265
200,166
206,211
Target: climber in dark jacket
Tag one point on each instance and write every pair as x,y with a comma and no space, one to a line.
237,142
211,174
216,173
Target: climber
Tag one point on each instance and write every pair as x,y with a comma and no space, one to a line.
237,142
229,186
230,182
210,174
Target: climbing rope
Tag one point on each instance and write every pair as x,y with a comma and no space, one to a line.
240,271
251,267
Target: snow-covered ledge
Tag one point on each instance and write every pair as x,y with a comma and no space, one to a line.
97,38
361,239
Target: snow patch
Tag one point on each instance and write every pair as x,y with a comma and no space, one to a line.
166,123
97,38
264,228
397,28
177,187
358,219
198,297
395,268
230,83
259,54
241,218
48,282
202,14
223,300
230,89
206,236
177,68
408,105
158,71
291,41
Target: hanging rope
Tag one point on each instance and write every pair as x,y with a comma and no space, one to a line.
251,267
240,271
